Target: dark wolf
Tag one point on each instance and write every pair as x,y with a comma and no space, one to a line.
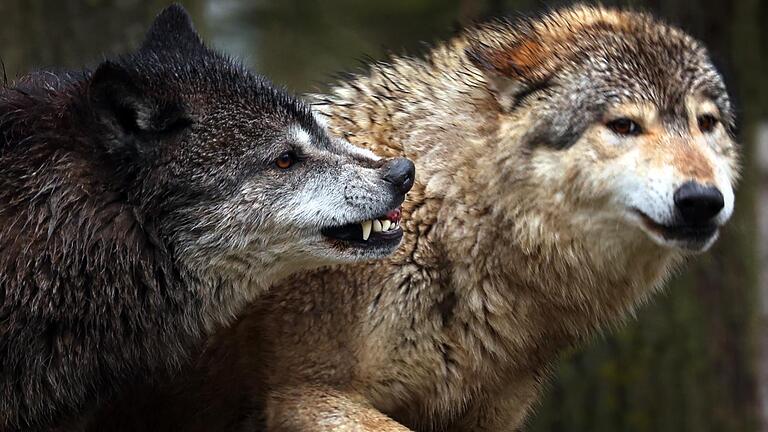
143,203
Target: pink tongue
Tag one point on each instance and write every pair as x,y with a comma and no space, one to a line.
394,215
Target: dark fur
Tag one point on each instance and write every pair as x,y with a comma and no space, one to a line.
100,178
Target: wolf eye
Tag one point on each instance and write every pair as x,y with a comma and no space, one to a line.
285,160
707,122
624,126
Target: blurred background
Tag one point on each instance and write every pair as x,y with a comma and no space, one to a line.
693,360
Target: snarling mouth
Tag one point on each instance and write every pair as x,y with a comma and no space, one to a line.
696,234
383,230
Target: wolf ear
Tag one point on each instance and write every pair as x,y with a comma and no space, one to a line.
513,67
133,119
172,31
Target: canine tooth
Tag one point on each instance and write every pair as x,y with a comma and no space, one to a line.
385,225
377,226
367,225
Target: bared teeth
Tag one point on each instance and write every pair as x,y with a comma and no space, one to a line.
378,225
367,225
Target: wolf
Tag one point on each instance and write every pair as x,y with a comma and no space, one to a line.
144,203
567,164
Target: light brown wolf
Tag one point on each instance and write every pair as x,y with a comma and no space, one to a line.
566,164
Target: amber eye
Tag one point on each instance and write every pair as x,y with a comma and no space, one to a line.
624,126
707,122
285,160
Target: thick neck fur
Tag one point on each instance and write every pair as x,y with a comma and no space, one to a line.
510,270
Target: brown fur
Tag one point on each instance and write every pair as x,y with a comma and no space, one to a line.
513,249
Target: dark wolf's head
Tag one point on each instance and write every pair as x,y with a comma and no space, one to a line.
627,123
237,175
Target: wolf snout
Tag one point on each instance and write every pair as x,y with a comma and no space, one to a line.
400,173
697,203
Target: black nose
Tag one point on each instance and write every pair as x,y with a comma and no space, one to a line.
697,203
400,172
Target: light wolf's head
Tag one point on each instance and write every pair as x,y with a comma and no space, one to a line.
628,127
239,177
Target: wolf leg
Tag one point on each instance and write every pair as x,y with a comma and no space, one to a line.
324,409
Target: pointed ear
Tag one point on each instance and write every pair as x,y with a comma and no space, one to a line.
172,31
133,118
513,68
